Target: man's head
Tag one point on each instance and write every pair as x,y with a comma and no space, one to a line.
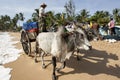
111,18
43,5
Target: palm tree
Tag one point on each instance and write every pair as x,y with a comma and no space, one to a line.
15,20
21,17
101,17
35,15
116,14
83,16
70,10
50,19
5,22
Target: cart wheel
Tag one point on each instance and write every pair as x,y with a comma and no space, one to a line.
26,43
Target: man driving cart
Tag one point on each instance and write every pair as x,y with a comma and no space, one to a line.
42,22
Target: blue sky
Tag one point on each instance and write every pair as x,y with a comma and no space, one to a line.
11,7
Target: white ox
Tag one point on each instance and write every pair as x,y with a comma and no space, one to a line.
60,45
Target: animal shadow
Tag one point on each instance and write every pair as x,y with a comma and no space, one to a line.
93,62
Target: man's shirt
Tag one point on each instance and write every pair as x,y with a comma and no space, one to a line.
41,11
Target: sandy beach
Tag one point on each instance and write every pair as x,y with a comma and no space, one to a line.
101,63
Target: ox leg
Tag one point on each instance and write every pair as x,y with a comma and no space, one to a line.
35,59
42,59
62,66
77,54
54,67
78,57
36,51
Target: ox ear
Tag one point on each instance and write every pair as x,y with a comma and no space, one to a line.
64,35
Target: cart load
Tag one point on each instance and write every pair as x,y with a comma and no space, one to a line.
30,27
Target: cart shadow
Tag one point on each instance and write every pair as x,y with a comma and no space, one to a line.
93,62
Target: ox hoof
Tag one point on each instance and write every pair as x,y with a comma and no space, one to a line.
78,58
29,54
58,70
43,66
36,61
54,77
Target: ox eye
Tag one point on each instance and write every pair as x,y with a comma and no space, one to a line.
82,36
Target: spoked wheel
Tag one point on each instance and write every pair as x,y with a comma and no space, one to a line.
26,43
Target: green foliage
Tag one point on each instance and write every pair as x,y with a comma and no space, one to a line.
101,17
83,16
8,24
35,15
116,15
